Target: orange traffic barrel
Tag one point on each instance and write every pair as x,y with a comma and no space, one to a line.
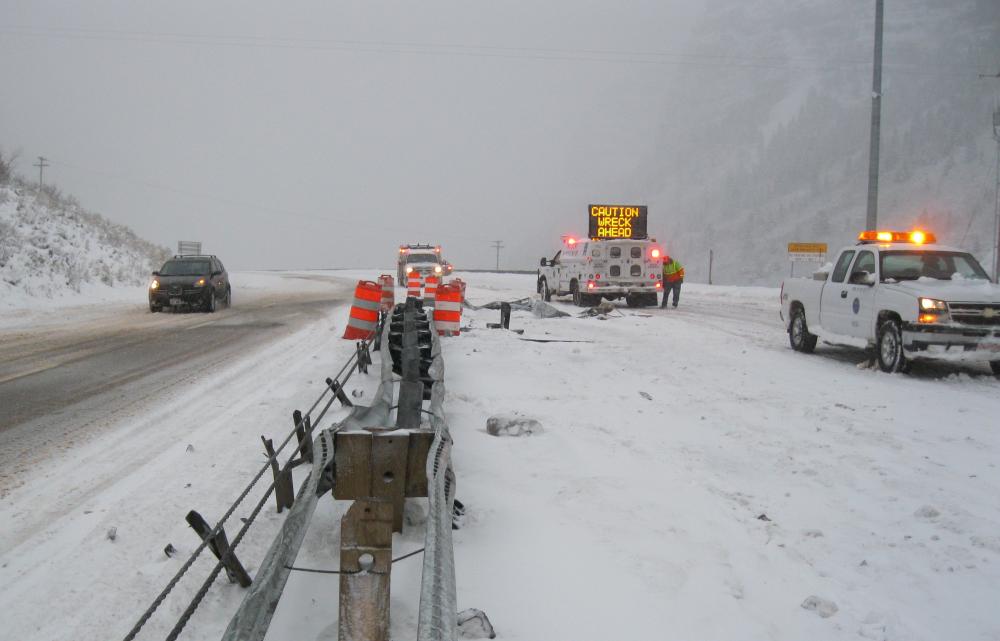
448,310
458,282
430,289
413,284
388,292
364,311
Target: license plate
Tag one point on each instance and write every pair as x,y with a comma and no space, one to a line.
176,301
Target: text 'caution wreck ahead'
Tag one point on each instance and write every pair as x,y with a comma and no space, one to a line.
617,221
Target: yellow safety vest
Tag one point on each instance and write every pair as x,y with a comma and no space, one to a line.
673,271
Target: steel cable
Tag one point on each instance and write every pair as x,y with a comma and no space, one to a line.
203,590
158,601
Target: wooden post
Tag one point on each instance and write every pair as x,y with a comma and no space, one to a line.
365,564
377,471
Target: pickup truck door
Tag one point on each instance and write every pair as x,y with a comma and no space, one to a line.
861,294
835,305
557,270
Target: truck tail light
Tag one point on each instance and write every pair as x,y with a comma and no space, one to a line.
659,285
591,284
655,253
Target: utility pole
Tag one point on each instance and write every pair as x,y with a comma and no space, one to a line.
871,220
41,164
498,245
996,204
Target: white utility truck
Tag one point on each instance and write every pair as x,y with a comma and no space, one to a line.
423,259
593,269
902,294
616,260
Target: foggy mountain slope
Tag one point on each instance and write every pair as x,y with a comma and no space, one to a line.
774,148
50,247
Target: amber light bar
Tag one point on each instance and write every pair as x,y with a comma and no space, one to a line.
916,237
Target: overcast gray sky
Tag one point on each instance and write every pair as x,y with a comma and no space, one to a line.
323,134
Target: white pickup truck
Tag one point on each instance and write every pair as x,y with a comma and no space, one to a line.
902,294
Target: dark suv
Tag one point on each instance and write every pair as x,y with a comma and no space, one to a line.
196,282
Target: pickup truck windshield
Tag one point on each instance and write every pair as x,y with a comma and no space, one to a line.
911,265
422,258
184,268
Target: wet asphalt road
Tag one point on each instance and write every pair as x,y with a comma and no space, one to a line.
65,380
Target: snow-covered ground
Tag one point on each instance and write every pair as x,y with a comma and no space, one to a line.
695,479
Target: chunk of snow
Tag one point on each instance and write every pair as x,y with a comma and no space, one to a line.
474,624
823,607
512,425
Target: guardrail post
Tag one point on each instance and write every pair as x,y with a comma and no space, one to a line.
364,357
303,432
284,493
219,544
365,564
339,392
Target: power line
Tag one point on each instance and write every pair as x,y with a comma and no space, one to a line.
484,51
243,205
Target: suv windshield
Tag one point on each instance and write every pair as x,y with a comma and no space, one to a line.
422,258
911,265
184,268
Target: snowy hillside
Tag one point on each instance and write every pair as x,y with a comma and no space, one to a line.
51,249
771,143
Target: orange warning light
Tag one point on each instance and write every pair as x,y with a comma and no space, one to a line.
917,237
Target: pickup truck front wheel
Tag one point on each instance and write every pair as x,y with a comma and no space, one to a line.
798,333
889,346
543,289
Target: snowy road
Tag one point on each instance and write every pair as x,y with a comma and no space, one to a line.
68,375
695,479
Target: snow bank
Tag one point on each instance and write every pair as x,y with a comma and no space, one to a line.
54,253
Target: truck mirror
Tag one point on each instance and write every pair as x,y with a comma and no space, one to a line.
543,263
863,277
156,273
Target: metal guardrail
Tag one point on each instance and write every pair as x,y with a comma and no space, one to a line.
437,614
252,619
302,428
436,618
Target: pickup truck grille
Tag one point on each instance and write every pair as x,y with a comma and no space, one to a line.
982,314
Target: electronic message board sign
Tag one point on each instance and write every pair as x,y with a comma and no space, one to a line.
617,221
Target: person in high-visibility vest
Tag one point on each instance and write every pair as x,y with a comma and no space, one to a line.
673,276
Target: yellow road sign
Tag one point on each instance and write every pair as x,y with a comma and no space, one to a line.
806,248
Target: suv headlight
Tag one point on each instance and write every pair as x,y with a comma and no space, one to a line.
437,269
200,282
155,284
932,311
409,269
